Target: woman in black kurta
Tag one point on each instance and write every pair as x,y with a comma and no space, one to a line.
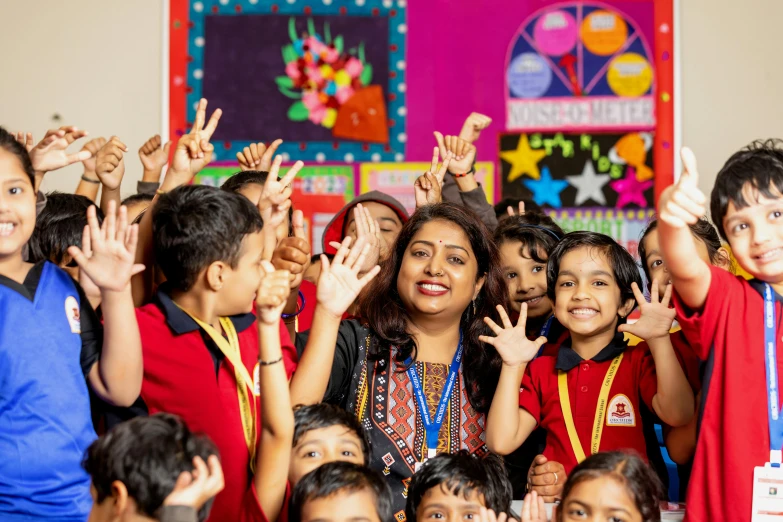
441,279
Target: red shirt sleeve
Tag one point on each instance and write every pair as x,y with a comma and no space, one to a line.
529,393
251,509
290,357
648,379
699,326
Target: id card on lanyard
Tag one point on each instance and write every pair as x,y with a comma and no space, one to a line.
768,479
432,426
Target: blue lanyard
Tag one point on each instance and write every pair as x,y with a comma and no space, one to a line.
432,428
545,333
771,362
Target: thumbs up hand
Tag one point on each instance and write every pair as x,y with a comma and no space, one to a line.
293,253
683,204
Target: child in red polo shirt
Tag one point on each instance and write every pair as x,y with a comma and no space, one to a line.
587,397
681,441
730,322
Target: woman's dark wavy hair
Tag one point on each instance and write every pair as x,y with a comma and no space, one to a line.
640,481
386,315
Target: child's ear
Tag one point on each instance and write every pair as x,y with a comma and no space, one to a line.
723,259
215,274
119,498
626,309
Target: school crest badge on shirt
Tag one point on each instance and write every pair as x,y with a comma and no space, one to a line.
620,412
73,315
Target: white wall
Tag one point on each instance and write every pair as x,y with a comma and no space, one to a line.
731,78
97,63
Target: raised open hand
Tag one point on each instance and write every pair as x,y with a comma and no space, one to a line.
113,247
272,294
339,284
154,157
26,140
657,317
463,153
293,253
427,187
511,342
683,204
195,488
474,124
369,230
194,150
51,152
258,156
109,164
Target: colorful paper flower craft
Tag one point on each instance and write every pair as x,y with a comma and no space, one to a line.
332,87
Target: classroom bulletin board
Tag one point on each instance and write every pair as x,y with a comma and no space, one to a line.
581,93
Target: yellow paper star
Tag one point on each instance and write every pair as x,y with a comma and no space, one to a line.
524,160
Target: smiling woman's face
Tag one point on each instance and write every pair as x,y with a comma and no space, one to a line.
439,270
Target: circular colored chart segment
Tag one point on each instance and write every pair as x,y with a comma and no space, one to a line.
604,32
630,75
556,32
528,76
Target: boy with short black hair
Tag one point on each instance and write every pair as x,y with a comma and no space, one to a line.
325,433
341,492
137,466
731,322
212,338
456,486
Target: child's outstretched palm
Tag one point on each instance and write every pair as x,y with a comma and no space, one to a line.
511,342
51,152
113,247
339,283
657,317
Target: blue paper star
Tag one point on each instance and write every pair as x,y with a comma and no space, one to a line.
546,191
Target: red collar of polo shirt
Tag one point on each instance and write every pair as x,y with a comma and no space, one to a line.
181,323
568,359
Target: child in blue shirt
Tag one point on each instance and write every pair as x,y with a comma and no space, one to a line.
52,344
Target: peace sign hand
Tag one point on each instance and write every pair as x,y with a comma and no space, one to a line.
511,342
683,204
194,151
428,186
657,317
521,212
